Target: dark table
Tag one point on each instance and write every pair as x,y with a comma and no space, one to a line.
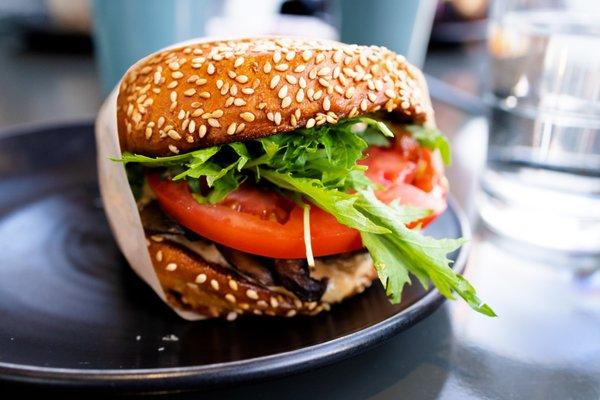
545,344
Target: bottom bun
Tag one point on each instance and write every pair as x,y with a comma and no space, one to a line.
216,290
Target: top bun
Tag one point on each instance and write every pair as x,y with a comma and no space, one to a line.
209,93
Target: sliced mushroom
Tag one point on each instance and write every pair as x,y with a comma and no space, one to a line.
294,275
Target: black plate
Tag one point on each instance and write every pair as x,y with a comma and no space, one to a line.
73,313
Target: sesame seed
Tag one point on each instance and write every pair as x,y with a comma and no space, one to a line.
326,103
318,94
238,62
292,80
290,55
148,133
192,126
201,278
173,96
313,73
202,130
185,123
324,71
233,285
320,57
282,91
300,95
173,106
210,69
349,92
157,77
262,304
192,78
363,105
173,149
242,78
232,74
306,55
214,284
214,123
261,105
239,102
219,83
171,267
204,95
337,56
302,82
277,57
174,66
190,92
277,118
198,112
274,302
267,67
274,81
195,104
161,122
339,89
229,101
181,114
390,93
173,134
290,313
247,116
324,82
231,128
297,303
225,89
230,298
176,75
247,90
286,102
218,113
372,97
252,294
300,68
310,123
281,67
231,316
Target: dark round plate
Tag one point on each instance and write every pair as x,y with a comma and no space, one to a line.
74,314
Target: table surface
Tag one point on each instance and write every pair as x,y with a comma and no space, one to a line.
545,344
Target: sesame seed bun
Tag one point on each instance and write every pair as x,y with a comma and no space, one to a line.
209,93
192,283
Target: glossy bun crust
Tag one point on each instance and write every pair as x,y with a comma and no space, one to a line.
192,283
218,92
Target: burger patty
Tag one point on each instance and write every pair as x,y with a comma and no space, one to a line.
284,282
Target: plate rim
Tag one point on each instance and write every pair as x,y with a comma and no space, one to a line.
252,369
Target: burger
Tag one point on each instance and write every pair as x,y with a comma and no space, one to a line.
279,176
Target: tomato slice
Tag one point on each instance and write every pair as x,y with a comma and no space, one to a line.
263,222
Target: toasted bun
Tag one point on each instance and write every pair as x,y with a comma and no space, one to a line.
218,92
195,284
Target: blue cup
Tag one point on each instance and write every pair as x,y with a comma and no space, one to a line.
403,26
125,31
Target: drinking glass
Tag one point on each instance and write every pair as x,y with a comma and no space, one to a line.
541,183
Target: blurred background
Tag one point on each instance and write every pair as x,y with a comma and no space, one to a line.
516,88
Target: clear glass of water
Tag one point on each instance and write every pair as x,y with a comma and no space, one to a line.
542,179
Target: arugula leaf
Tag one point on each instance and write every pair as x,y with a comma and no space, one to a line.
335,202
432,139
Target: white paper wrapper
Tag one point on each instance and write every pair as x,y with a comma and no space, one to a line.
118,200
